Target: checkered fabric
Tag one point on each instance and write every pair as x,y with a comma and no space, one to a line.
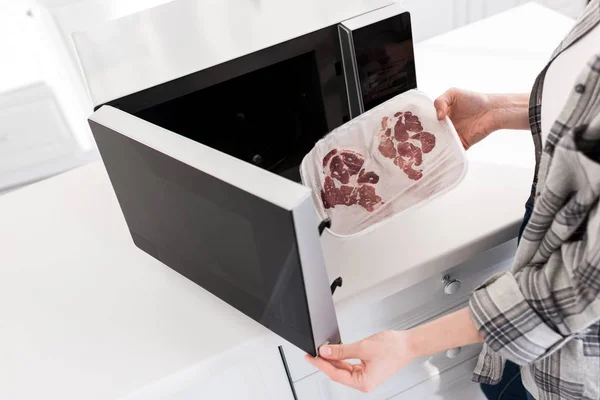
545,314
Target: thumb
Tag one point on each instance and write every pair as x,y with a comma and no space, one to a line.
443,103
341,351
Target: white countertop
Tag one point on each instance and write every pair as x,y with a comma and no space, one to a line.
85,315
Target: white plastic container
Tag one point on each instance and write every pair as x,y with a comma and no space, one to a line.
385,161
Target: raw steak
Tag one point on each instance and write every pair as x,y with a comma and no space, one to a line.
407,144
357,185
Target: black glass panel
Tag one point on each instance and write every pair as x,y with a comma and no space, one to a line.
233,244
385,59
270,117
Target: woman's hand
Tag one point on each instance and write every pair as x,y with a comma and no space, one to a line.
381,356
476,115
384,354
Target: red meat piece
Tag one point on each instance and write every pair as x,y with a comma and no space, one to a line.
347,195
368,198
387,148
427,141
338,170
384,122
409,155
328,194
407,167
367,177
328,157
405,150
352,161
410,152
400,132
345,166
412,122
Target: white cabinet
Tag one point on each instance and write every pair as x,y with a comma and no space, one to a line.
253,371
431,373
452,384
414,305
35,140
37,128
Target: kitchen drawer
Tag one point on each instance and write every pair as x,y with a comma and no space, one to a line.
413,305
453,384
33,132
318,386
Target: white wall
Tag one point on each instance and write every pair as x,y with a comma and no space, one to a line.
40,127
433,17
430,18
60,18
64,17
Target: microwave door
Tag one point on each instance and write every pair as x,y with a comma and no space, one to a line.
248,236
284,304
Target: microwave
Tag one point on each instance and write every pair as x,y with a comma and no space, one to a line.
203,114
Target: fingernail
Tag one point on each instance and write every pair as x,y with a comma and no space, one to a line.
439,114
325,351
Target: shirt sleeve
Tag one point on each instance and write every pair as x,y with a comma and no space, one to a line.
509,324
552,295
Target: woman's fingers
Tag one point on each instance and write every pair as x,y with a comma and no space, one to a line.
341,372
343,351
342,365
443,103
341,375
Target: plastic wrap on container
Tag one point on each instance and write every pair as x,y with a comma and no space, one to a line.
393,157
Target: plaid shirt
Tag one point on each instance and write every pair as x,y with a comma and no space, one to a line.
545,313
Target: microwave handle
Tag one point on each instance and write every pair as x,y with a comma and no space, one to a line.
337,282
326,223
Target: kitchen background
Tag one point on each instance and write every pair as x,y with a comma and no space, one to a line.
43,98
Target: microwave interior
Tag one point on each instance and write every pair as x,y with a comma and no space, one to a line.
270,107
267,108
270,117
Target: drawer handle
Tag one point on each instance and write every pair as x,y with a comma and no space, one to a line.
451,286
452,353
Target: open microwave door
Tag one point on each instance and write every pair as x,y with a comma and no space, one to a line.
246,235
